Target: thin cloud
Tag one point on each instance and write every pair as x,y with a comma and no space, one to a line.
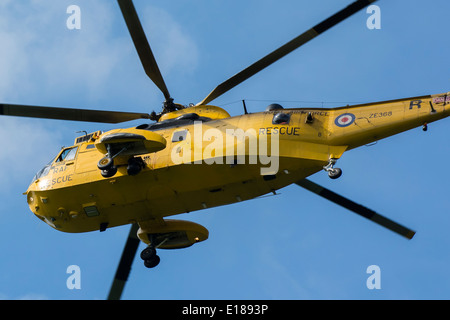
44,56
24,143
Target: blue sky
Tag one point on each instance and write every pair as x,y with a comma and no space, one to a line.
291,246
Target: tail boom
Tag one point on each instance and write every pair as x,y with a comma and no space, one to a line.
354,126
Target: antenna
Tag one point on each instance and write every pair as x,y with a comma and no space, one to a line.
245,107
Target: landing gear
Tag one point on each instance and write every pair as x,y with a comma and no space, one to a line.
153,262
333,173
105,163
108,169
106,166
151,259
108,173
135,165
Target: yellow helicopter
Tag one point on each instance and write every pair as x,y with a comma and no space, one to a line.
141,175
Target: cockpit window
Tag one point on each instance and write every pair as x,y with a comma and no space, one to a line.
179,136
281,118
43,172
67,154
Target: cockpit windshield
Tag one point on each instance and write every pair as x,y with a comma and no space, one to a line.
67,154
43,172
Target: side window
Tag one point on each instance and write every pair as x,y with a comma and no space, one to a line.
281,118
179,136
67,154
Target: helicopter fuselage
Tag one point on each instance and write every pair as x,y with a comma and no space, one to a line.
213,161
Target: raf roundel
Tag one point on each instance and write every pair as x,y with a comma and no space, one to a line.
344,120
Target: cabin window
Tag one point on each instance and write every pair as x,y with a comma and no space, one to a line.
281,118
67,154
179,136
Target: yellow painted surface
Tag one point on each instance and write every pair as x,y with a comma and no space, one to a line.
212,112
191,174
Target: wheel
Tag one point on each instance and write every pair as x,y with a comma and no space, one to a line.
335,173
148,253
105,163
151,263
134,167
109,172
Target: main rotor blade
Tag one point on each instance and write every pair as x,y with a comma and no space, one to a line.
285,49
142,46
357,208
102,116
124,268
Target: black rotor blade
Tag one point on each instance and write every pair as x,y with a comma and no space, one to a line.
124,268
285,49
142,46
357,208
86,115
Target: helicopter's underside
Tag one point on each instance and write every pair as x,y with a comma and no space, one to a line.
154,194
